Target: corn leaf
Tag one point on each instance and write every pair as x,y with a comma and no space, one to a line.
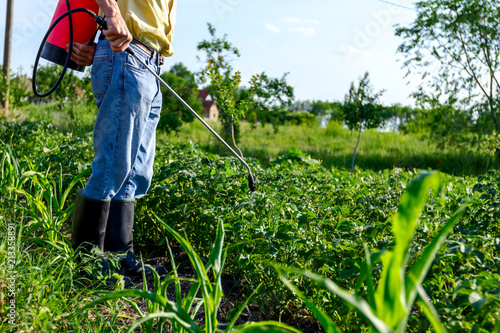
391,305
418,272
360,305
265,326
430,310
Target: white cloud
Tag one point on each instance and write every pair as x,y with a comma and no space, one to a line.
304,31
300,26
272,28
296,20
349,50
291,20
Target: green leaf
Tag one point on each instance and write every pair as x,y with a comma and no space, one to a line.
241,308
419,270
477,301
429,310
264,326
325,321
411,203
167,315
390,297
177,312
360,305
217,249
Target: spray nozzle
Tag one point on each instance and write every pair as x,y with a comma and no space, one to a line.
251,183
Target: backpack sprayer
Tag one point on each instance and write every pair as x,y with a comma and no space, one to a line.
53,48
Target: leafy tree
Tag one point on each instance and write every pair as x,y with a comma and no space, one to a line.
361,109
446,123
272,95
400,115
301,106
300,118
264,97
48,75
455,46
173,113
329,111
223,81
19,88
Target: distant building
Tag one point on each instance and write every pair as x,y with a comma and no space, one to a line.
211,111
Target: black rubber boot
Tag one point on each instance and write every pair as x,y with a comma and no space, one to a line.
89,222
119,238
89,229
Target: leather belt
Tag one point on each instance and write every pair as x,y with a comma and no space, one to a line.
159,58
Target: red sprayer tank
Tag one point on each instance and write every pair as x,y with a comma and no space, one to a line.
84,28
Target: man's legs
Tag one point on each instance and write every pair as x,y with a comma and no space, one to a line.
124,133
129,102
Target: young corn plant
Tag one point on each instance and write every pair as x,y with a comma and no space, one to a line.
388,306
182,312
44,197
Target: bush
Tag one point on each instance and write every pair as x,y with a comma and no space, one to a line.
300,118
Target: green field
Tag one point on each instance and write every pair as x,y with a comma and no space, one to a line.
334,146
310,215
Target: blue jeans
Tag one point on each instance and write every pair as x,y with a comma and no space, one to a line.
129,100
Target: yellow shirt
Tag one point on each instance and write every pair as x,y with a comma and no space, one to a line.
151,21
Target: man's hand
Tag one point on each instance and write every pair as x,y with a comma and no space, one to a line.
117,33
83,54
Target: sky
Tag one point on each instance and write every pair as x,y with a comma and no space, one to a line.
324,45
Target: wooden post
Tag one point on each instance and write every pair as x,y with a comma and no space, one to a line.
7,51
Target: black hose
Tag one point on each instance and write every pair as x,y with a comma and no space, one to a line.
65,67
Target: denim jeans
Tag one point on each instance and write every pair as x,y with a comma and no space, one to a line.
129,101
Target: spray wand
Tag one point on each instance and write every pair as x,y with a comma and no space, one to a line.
251,180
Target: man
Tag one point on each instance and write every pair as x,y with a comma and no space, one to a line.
129,100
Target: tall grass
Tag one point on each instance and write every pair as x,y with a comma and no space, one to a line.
40,287
76,118
334,146
183,311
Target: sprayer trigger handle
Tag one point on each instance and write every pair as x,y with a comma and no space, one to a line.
101,22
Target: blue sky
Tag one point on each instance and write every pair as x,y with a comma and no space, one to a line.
323,44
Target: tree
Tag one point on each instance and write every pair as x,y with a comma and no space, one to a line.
361,109
18,87
445,123
224,82
272,96
174,113
265,95
400,115
455,46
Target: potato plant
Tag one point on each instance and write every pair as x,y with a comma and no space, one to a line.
303,217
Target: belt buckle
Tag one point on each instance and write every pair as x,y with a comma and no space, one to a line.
159,59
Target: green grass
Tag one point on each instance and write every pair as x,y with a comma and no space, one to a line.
302,216
66,117
334,147
40,287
